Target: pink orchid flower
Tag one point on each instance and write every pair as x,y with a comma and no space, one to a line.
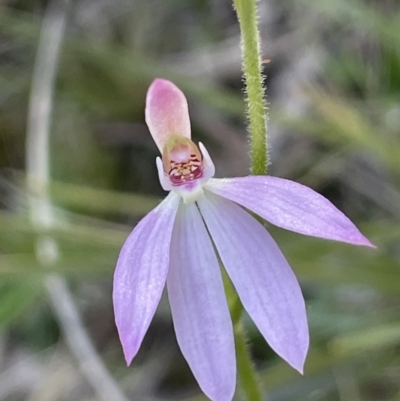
178,242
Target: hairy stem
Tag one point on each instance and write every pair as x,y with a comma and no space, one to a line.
247,374
256,106
41,211
246,371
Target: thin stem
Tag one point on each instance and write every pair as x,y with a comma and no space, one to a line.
41,211
246,371
256,106
247,374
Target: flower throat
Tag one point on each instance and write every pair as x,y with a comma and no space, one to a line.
182,160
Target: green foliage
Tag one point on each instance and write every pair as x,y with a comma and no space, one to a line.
16,297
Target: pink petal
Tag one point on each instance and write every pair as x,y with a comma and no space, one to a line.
199,308
261,275
141,273
289,205
166,112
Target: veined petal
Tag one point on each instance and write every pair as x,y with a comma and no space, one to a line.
289,205
166,112
141,273
199,308
261,275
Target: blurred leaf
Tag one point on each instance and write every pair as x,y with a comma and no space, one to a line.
382,336
331,263
351,126
16,297
95,200
362,16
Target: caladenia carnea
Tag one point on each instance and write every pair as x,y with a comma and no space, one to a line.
174,244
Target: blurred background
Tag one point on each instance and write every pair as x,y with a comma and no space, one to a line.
334,123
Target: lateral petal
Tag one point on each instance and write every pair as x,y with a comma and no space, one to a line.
199,307
289,205
261,275
141,273
166,112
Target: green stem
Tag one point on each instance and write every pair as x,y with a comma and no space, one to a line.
247,16
247,374
246,371
256,107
